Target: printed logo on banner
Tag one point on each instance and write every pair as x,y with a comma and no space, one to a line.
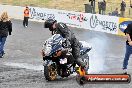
40,15
123,25
94,22
80,17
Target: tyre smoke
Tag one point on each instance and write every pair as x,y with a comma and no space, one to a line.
97,54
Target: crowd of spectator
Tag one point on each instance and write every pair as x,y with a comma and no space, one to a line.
122,10
117,12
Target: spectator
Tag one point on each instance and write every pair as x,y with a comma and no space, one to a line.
130,4
123,6
103,7
26,17
5,28
115,13
99,7
128,32
92,6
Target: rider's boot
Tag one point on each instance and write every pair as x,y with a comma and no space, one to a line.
81,63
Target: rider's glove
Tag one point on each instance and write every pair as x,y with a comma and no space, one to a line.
66,43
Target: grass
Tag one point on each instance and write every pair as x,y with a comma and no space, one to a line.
25,2
71,5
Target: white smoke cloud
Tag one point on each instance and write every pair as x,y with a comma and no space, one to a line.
97,54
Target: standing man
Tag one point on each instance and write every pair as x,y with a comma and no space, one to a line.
26,17
128,33
99,7
123,6
5,29
103,7
92,6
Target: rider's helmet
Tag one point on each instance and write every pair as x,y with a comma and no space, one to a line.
48,23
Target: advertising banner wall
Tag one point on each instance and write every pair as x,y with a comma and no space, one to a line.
103,23
96,22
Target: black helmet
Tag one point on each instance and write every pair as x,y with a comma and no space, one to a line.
48,23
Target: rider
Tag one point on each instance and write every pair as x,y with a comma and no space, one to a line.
65,32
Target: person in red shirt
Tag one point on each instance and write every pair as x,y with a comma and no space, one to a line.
26,17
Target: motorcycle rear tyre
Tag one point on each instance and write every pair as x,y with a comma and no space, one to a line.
50,73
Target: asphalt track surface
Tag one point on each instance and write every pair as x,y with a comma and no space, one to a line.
22,67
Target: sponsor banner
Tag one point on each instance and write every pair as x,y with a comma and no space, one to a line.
123,22
74,19
103,23
37,13
108,24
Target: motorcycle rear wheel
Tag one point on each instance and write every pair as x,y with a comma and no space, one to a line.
50,73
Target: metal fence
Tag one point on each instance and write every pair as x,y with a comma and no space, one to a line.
71,5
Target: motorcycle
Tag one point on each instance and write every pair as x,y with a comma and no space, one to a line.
58,59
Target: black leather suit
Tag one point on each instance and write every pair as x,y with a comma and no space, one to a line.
65,32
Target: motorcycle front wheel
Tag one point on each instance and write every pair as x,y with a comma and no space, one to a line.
50,73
